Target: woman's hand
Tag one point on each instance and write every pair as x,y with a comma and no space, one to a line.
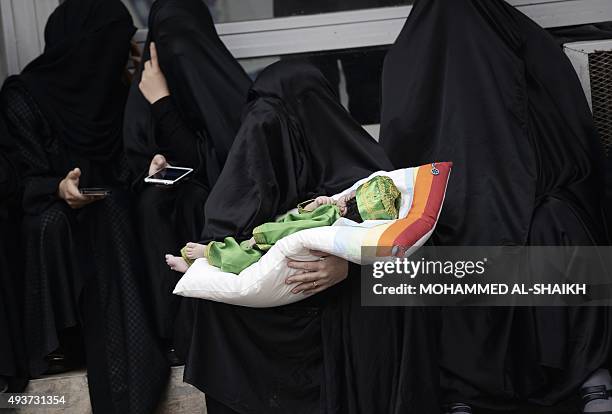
153,83
133,61
68,190
319,275
157,163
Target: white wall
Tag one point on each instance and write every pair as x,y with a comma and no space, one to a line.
23,23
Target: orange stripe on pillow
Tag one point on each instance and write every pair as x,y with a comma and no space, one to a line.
422,187
428,219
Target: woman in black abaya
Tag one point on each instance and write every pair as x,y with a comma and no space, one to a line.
65,112
194,127
325,354
493,93
13,363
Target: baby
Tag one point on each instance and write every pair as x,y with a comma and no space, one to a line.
376,199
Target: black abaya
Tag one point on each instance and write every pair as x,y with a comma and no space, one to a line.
194,127
70,282
493,93
13,362
323,354
81,266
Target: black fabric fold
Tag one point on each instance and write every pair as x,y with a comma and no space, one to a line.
13,360
176,141
582,33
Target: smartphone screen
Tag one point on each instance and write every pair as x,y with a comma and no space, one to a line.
169,174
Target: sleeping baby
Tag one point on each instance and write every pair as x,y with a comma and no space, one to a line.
376,199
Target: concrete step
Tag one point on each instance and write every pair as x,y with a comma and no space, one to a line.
178,397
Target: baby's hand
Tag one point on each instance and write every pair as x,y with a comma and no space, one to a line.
342,202
318,202
323,200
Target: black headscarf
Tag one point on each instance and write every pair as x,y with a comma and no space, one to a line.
339,149
477,83
207,84
77,81
296,141
582,33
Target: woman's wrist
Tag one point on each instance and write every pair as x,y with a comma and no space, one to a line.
162,106
155,99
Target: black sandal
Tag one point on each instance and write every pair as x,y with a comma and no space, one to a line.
597,392
458,408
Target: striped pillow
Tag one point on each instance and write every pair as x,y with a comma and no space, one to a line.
428,198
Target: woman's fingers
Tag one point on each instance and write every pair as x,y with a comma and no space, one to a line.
160,161
311,287
154,58
153,83
303,277
308,266
157,163
72,190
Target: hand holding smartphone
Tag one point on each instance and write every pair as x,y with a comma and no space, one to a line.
95,192
169,175
77,198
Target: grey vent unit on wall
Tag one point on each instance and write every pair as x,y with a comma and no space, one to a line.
593,63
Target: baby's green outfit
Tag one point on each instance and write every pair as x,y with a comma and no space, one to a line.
377,199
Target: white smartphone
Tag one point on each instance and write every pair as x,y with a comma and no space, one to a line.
169,175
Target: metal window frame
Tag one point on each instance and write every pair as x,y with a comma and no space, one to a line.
23,27
373,27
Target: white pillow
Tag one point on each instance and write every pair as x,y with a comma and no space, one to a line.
263,283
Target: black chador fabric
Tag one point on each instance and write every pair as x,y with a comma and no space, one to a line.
13,361
194,127
494,93
296,141
81,266
583,33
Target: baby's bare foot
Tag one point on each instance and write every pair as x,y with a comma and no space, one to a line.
195,250
178,264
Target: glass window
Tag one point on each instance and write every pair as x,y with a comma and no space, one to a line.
224,11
